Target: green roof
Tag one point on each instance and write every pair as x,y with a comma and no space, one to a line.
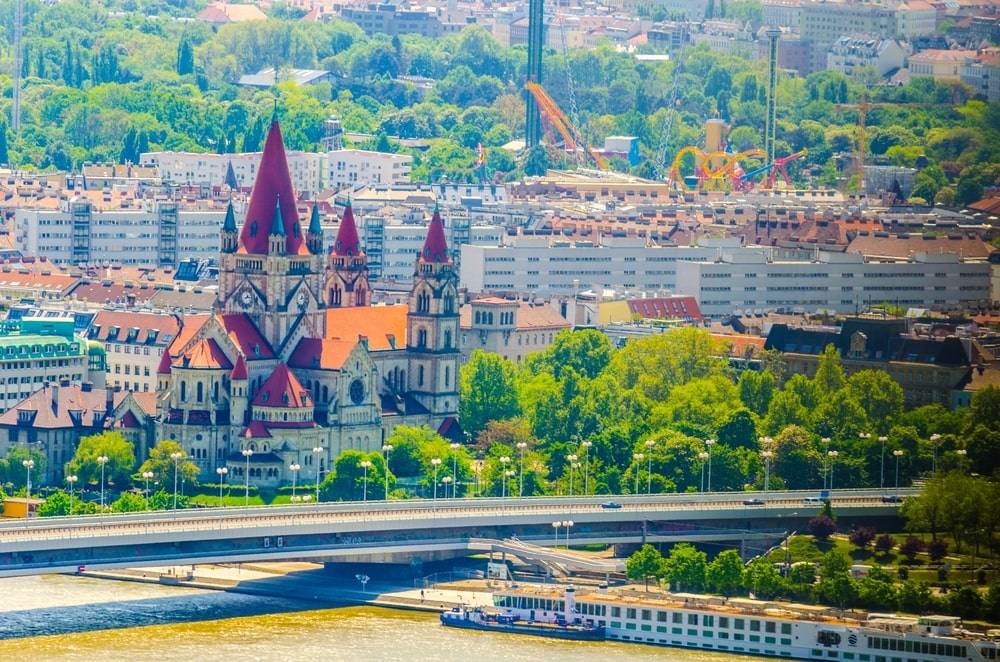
17,346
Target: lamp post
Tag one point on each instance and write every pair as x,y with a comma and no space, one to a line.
572,463
649,465
477,465
176,457
521,446
435,462
247,453
507,475
146,476
833,459
567,524
638,459
222,471
28,466
448,480
826,444
503,464
294,468
555,527
898,453
317,453
386,449
72,478
767,455
586,466
366,464
708,445
454,446
935,440
881,478
102,460
703,456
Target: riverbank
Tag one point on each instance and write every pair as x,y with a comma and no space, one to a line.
304,581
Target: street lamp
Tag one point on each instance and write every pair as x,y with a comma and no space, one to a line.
898,453
386,449
366,464
881,478
146,476
703,456
28,466
507,475
247,453
222,471
521,446
826,443
708,444
586,466
567,524
833,458
767,455
935,439
448,480
555,527
572,463
454,446
503,463
72,478
102,460
638,458
294,468
176,457
435,462
317,452
649,465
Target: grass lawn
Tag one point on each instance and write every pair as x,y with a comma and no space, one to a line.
228,500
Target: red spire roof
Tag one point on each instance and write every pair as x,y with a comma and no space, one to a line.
272,186
282,389
347,243
435,245
164,367
240,371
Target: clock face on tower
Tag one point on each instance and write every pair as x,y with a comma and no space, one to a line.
301,299
246,298
357,391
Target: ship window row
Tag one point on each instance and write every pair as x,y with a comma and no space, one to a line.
706,620
522,602
922,647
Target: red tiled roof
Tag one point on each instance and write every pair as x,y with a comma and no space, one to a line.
165,326
129,420
83,404
273,184
242,331
317,354
968,246
164,367
739,344
206,355
282,389
376,323
666,308
435,245
347,243
240,370
256,429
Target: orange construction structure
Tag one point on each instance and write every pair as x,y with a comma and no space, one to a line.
555,119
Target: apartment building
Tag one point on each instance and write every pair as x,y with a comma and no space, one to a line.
848,55
834,282
147,232
508,327
355,167
943,65
983,74
915,18
385,18
549,265
823,23
133,346
783,13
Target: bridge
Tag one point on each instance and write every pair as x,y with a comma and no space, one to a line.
385,531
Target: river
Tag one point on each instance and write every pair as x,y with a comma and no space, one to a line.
77,618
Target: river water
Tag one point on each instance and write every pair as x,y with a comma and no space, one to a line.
77,618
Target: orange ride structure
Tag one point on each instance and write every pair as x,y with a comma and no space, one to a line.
555,120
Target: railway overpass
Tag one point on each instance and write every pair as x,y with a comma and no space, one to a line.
388,531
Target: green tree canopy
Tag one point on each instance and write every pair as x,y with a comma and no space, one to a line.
118,468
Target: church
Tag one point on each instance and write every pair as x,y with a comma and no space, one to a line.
295,364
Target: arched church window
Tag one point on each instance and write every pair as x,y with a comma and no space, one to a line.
449,304
447,376
447,339
422,338
183,391
335,296
200,391
420,375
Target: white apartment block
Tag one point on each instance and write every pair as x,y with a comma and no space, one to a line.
549,265
849,54
158,233
358,167
838,282
783,13
311,172
133,346
915,18
983,74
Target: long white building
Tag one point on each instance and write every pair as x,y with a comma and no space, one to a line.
838,282
551,265
311,172
153,232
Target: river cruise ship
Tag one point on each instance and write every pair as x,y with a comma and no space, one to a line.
746,626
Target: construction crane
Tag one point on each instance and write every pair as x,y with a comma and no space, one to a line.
570,87
15,119
556,120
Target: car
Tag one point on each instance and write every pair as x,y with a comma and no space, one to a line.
612,505
753,502
812,501
892,498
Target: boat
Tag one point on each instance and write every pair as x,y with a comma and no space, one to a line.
736,625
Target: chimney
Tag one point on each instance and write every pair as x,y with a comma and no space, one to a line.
54,390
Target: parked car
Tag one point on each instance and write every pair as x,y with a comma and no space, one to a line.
613,505
892,498
753,502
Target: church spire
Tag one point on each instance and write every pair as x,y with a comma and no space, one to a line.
347,243
314,236
435,248
229,230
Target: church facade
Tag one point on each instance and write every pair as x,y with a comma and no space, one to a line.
295,365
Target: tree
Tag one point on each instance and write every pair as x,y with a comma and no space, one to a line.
346,482
725,573
586,352
4,154
487,391
937,549
659,362
884,543
12,468
129,502
762,579
118,450
879,395
185,57
56,505
645,563
685,568
911,547
164,500
536,162
821,527
738,430
829,373
836,586
985,407
162,465
862,536
756,390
